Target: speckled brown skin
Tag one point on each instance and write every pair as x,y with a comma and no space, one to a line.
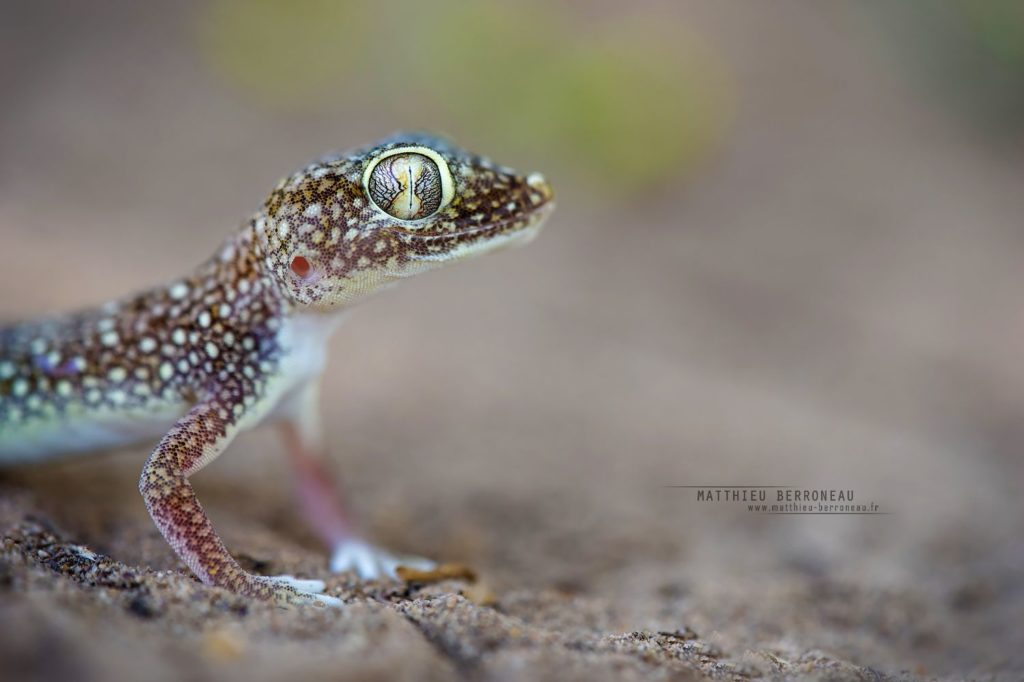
240,340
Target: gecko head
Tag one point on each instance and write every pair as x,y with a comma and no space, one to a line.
347,225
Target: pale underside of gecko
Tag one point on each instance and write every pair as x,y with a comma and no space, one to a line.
242,339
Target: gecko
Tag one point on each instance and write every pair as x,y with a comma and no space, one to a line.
242,341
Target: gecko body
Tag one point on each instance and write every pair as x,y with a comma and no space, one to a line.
242,339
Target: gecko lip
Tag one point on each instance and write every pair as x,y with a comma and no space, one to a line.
529,220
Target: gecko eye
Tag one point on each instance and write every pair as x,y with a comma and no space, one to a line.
301,267
406,186
409,183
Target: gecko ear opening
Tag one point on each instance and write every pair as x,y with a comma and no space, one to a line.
301,267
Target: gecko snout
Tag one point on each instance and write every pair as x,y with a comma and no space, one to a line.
538,182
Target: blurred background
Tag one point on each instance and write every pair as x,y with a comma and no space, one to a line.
789,249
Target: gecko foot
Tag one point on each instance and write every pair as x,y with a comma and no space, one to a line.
300,584
301,592
370,562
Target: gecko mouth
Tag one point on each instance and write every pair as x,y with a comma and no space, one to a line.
526,221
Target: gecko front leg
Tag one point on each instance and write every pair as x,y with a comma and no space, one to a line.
320,498
194,441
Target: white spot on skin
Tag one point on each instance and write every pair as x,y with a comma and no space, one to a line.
63,388
6,370
229,339
282,229
147,344
183,366
312,211
166,371
110,339
351,234
204,319
178,291
178,336
224,311
117,374
117,396
19,388
212,350
38,346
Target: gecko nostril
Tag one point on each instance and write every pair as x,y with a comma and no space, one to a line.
301,267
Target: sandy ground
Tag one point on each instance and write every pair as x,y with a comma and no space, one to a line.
833,301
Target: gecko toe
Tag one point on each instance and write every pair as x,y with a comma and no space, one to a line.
325,601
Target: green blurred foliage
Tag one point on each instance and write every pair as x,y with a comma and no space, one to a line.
999,27
619,102
970,52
